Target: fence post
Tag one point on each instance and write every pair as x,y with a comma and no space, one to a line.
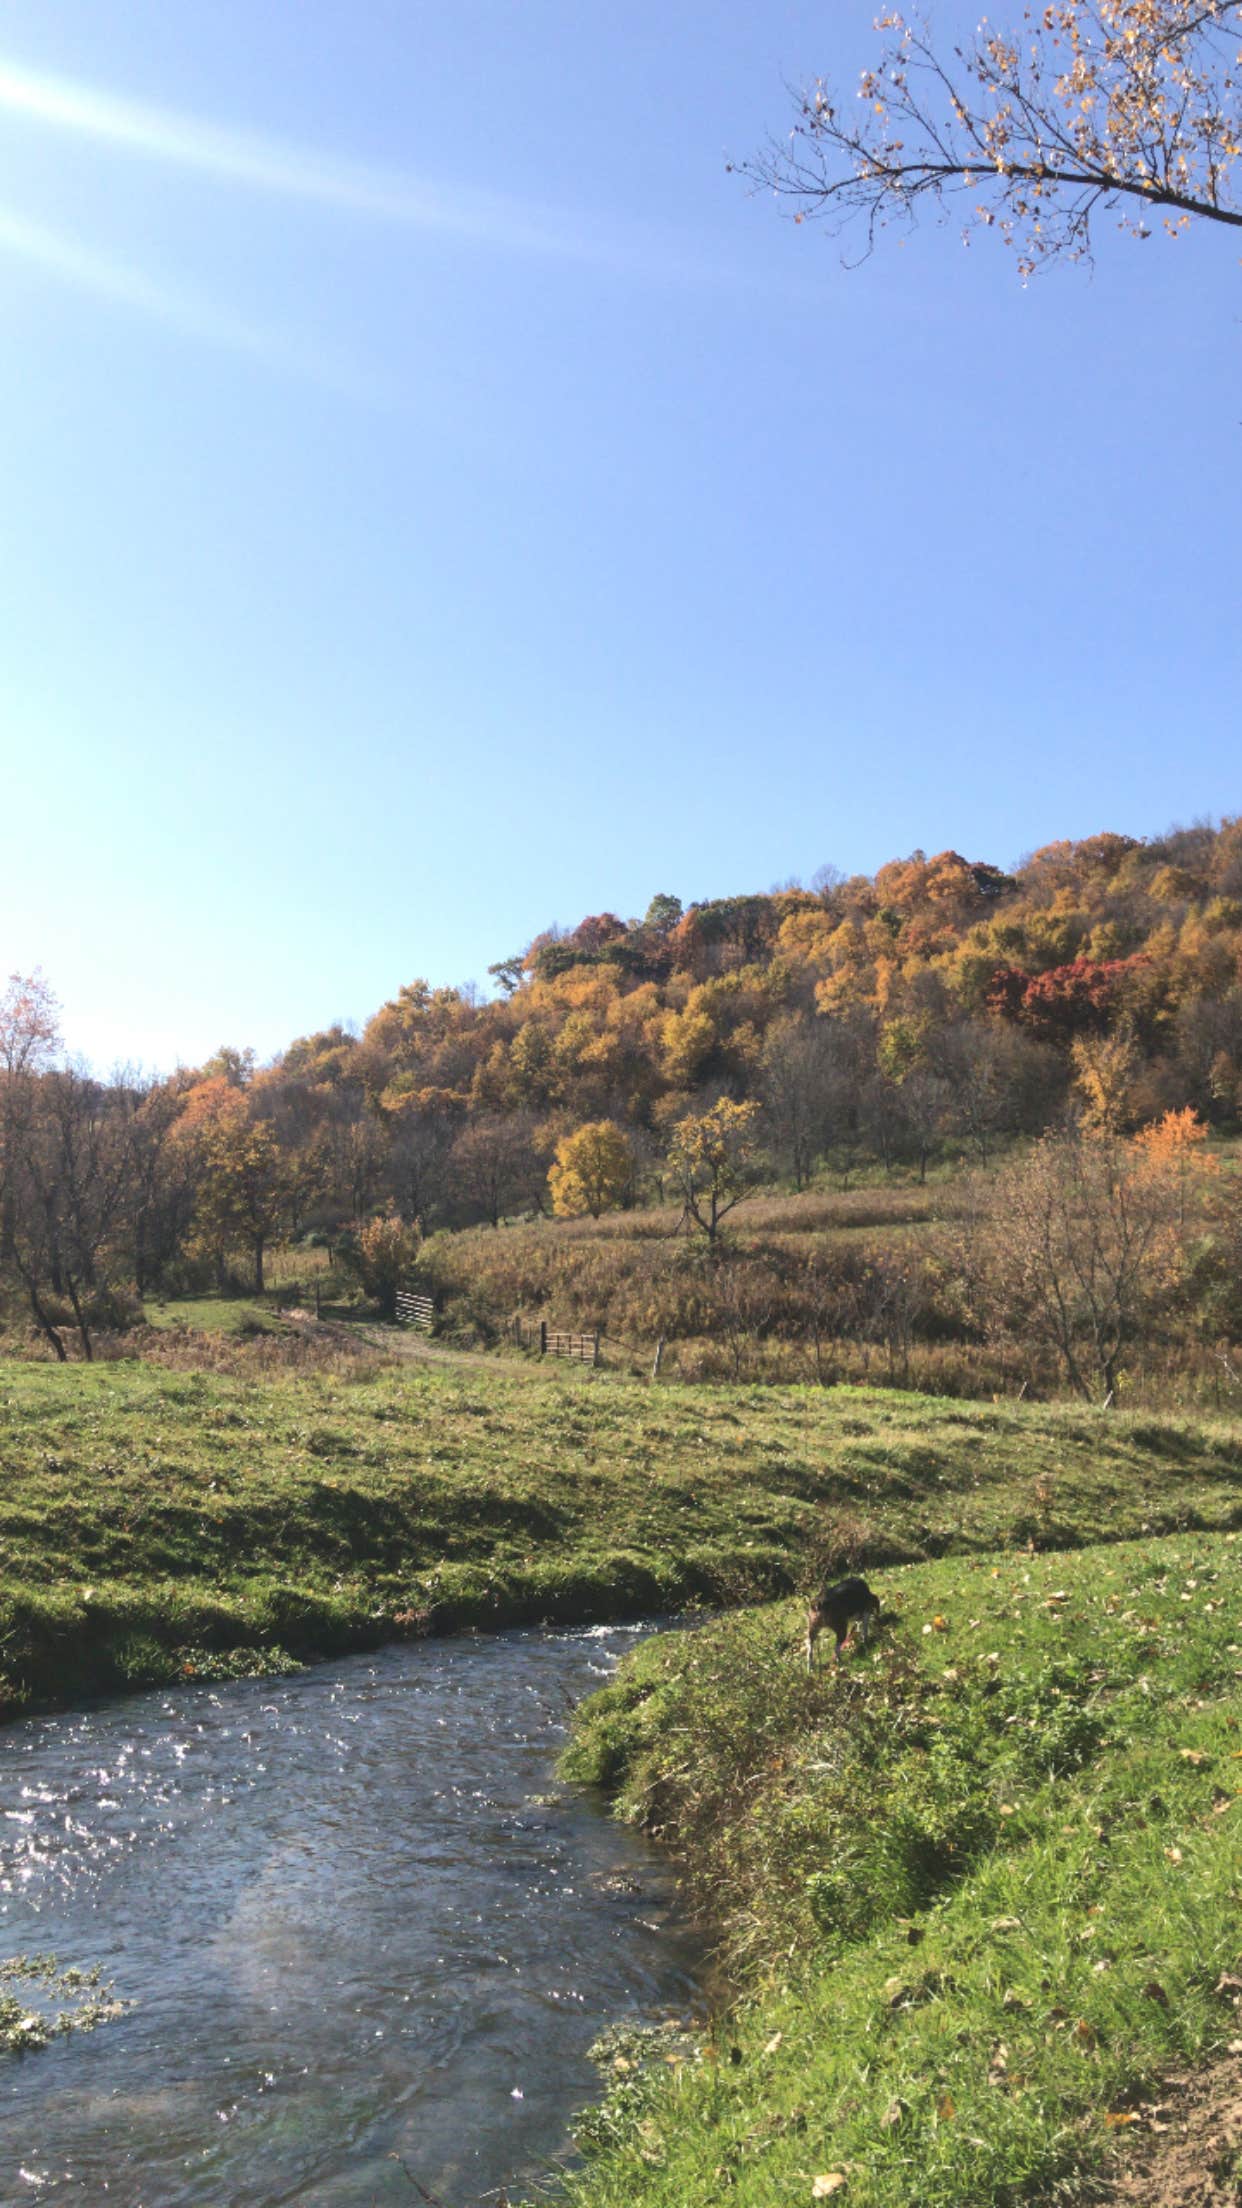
595,1350
659,1359
543,1337
316,1299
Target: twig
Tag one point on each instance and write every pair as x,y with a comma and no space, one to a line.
1231,1374
433,2200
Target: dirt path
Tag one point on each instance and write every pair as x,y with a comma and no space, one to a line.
1187,2145
414,1349
390,1341
406,1347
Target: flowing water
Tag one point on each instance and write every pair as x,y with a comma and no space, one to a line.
365,1944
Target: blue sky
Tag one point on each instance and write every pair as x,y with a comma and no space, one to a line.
440,501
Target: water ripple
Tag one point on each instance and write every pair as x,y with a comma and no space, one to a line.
351,1921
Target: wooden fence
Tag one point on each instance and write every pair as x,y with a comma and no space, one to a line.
538,1335
415,1311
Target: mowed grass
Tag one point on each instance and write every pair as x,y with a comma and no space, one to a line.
152,1521
980,1889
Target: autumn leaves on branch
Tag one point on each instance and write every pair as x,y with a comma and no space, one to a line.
1133,106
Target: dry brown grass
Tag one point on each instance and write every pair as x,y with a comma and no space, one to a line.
259,1356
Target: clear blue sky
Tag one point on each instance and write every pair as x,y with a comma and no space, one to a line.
439,501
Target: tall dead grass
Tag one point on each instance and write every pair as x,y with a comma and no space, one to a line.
259,1356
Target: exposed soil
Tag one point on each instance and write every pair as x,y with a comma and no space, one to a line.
1186,2147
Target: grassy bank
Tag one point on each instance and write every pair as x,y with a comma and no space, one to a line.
153,1520
980,1889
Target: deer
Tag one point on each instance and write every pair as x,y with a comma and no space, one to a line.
837,1606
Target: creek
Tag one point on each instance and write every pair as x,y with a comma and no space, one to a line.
364,1938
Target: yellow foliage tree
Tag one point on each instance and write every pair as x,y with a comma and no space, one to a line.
711,1155
1106,1066
592,1171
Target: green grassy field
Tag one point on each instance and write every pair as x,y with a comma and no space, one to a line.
152,1520
209,1314
979,1889
972,1891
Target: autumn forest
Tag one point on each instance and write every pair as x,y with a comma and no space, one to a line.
855,1093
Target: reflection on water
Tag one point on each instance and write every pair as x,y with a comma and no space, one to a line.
353,1934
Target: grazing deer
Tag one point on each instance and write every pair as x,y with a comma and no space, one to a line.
838,1606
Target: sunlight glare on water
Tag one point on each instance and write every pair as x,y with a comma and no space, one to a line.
364,1937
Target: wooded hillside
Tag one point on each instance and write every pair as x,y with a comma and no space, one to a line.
941,1008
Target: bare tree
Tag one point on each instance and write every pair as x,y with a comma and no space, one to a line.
1074,1249
496,1167
29,1039
162,1178
799,1082
72,1185
744,1300
418,1162
999,1082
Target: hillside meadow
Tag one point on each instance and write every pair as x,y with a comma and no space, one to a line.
156,1521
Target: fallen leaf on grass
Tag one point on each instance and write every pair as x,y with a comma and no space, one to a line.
831,2182
1115,2118
946,2108
773,2043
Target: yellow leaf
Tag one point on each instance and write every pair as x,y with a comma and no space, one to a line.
946,2108
831,2182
